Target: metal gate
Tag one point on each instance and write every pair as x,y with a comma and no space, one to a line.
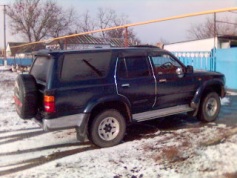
200,60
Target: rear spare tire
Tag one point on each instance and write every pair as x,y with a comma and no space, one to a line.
26,96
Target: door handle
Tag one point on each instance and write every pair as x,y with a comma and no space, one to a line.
162,80
125,85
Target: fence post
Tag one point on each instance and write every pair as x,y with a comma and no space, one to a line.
213,59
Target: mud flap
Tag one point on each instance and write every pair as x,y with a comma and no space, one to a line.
81,134
81,130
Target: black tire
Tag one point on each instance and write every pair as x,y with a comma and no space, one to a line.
209,108
107,129
26,96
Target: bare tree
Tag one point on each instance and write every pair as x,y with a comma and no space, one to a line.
63,23
163,41
106,18
121,32
206,29
86,23
37,19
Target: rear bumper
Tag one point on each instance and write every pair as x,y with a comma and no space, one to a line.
64,122
78,121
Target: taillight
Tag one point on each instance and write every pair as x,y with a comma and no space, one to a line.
49,104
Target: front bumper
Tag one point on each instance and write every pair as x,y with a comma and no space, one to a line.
223,92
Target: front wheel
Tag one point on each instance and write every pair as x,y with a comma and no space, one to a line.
210,107
107,129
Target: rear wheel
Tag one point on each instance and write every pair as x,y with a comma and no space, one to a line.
210,107
107,129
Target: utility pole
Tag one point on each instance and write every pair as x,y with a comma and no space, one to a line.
126,37
4,35
215,46
215,34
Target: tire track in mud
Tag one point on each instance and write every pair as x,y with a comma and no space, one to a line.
18,137
43,148
17,166
8,137
16,130
30,163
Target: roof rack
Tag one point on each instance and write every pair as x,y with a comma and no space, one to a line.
145,46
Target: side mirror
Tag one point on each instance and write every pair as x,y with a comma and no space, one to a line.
189,69
179,72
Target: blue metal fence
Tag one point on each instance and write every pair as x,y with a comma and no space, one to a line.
226,63
201,60
220,60
17,61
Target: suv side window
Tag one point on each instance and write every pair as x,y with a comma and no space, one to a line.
132,67
84,66
165,64
40,68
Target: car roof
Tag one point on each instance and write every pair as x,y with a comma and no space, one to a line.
120,49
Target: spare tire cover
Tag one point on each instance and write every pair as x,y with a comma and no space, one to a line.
26,96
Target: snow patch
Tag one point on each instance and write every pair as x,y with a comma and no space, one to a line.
225,101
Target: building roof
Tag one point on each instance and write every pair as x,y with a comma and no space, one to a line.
83,39
24,49
226,37
88,39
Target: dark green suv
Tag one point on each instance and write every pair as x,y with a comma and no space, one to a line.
100,91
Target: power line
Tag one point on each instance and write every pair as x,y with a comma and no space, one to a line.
231,23
233,12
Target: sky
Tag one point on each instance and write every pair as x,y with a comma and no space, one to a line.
143,10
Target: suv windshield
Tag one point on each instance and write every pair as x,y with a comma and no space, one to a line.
40,68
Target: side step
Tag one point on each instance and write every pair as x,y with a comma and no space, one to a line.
161,113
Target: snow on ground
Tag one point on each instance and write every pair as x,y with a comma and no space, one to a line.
233,93
225,101
194,150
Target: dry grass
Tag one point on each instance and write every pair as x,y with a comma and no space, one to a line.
171,153
195,130
186,144
148,147
225,134
230,175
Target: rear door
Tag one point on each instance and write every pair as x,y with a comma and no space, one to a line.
135,81
41,69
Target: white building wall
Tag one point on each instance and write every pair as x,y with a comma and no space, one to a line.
197,45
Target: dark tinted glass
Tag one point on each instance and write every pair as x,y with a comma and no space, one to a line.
131,67
85,66
40,68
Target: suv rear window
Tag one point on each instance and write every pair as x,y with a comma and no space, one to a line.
84,66
40,68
